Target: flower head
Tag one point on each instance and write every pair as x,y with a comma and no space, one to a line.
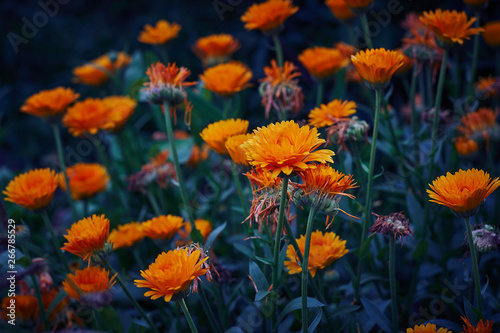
161,33
162,227
323,62
268,16
233,144
482,327
120,108
173,272
421,45
480,126
89,281
97,71
49,103
285,147
350,129
88,116
215,49
359,6
325,249
463,191
376,66
216,134
87,236
340,9
429,328
202,225
331,113
26,308
465,146
487,87
227,79
158,170
491,33
395,225
85,180
33,189
126,235
407,63
485,238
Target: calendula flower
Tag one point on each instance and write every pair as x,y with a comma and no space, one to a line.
450,27
120,108
350,129
97,71
376,66
323,62
491,33
421,45
25,309
227,79
126,235
395,225
85,180
429,328
487,87
162,227
463,191
325,249
340,9
407,63
88,116
161,33
268,16
215,49
216,134
280,90
89,281
485,238
285,147
481,126
465,146
33,189
87,236
49,103
331,113
482,327
233,144
347,50
202,225
159,170
173,272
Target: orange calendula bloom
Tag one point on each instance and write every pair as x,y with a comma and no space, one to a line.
331,113
376,66
162,227
233,144
97,71
482,327
450,27
216,134
359,5
463,191
269,15
285,147
172,273
126,235
85,180
322,62
161,33
91,280
487,87
87,236
340,9
491,33
407,63
215,49
429,328
481,125
88,116
48,103
325,249
227,79
202,225
33,189
465,146
26,308
120,110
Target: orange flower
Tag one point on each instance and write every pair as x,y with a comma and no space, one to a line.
376,66
159,170
429,328
97,71
407,63
465,146
26,308
285,147
482,327
463,191
120,110
359,5
91,280
85,180
162,227
322,62
422,45
325,249
233,148
126,235
49,103
33,189
215,49
87,236
269,15
340,9
480,125
331,113
227,79
159,34
491,33
172,273
89,116
450,26
347,50
216,134
202,225
487,87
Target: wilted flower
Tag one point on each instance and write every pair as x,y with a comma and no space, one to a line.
87,237
350,129
159,171
482,327
215,49
487,87
491,33
395,225
227,79
216,134
97,71
89,116
126,235
340,9
429,328
120,108
268,16
465,146
162,227
376,66
331,113
322,62
233,144
90,286
485,238
161,33
85,180
421,45
49,103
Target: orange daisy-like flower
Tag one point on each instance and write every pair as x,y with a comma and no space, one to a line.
487,87
85,180
202,225
322,62
26,308
33,189
269,15
227,79
463,191
91,280
359,5
216,134
48,103
285,147
481,125
376,66
215,49
331,113
97,71
233,144
87,236
325,249
162,227
450,27
482,327
172,273
340,9
491,33
465,146
429,328
126,235
120,110
88,116
161,33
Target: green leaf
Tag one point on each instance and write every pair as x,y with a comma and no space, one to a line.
258,277
375,313
345,309
213,235
483,291
59,297
261,294
265,260
296,304
281,260
316,321
365,246
202,107
184,149
133,73
245,250
415,210
111,318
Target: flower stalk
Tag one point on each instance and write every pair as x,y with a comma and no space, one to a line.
278,49
48,226
305,268
184,308
475,266
475,55
366,29
320,92
239,189
392,282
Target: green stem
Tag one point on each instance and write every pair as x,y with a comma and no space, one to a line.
188,316
227,107
428,84
153,202
357,156
57,136
40,303
413,90
279,51
475,54
163,53
364,22
239,189
475,265
48,226
208,311
305,268
319,93
392,280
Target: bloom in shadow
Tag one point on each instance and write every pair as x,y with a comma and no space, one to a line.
268,16
161,33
